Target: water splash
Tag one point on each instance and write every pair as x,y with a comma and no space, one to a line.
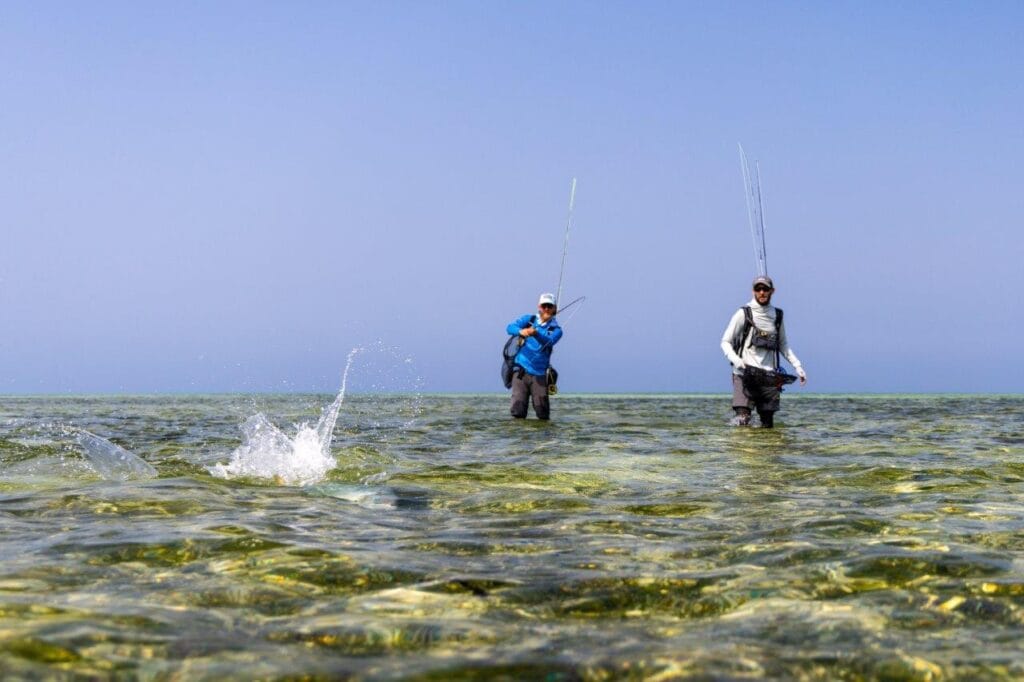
387,393
267,452
111,461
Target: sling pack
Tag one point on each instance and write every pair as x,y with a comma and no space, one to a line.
755,376
508,359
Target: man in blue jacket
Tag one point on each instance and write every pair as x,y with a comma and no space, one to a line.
540,333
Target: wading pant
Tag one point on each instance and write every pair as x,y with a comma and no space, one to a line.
748,395
526,386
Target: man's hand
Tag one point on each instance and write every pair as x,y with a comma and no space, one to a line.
803,377
529,331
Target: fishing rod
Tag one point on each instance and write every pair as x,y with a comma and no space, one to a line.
565,243
516,342
755,212
581,299
558,311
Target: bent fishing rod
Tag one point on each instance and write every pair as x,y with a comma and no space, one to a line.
561,270
581,299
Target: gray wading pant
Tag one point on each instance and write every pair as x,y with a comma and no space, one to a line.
749,395
525,386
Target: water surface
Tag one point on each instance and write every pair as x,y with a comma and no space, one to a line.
634,537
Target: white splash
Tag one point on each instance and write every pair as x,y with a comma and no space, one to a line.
266,452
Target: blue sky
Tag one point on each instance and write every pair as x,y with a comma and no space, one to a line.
230,196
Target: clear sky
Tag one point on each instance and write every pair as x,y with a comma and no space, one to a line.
229,196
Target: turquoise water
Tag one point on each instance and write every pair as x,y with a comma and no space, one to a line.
634,537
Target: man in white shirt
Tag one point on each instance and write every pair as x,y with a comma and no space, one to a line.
753,342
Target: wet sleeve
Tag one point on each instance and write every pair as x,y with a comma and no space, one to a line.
735,324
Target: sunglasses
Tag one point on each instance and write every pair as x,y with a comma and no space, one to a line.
545,306
761,288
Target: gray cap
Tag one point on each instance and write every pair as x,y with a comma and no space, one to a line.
764,279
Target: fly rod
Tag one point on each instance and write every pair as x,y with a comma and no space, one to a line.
565,243
755,212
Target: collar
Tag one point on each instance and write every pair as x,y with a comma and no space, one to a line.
553,322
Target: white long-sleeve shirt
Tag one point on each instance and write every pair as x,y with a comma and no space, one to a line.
762,358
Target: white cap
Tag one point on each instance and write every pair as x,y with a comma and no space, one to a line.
546,298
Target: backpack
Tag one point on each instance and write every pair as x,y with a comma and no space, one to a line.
508,359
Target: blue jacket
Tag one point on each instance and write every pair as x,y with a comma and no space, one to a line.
535,355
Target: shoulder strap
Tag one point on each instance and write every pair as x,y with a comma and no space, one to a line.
748,323
741,336
778,338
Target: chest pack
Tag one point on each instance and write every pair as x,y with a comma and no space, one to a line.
766,340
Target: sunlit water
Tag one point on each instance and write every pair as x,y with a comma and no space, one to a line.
631,538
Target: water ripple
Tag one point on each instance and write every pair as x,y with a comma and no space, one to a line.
635,537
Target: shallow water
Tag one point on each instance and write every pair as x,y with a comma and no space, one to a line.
631,538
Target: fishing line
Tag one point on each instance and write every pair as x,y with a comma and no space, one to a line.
581,299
